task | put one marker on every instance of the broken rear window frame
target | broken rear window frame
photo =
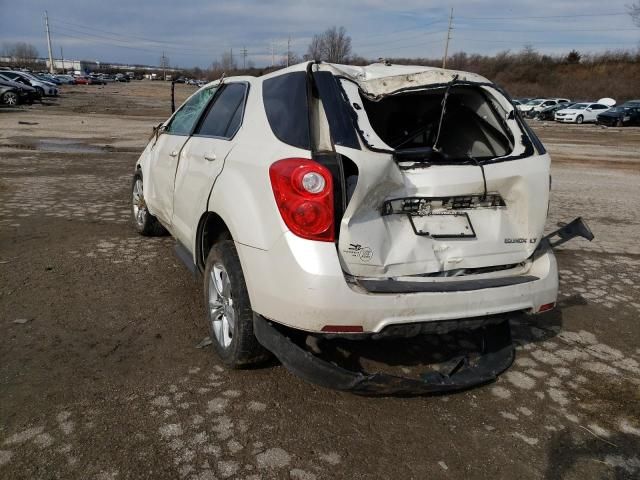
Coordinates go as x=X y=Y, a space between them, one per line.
x=530 y=142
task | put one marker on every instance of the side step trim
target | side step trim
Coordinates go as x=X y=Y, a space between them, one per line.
x=185 y=257
x=395 y=286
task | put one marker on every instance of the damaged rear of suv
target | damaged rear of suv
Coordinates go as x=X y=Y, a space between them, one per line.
x=367 y=202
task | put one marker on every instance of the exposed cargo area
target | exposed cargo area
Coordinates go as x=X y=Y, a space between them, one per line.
x=472 y=126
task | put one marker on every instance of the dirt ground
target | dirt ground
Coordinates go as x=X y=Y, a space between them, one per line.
x=100 y=377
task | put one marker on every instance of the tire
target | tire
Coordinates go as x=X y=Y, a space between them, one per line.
x=145 y=223
x=228 y=309
x=579 y=119
x=10 y=98
x=619 y=123
x=40 y=91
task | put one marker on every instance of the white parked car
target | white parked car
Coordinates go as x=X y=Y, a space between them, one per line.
x=586 y=112
x=345 y=201
x=535 y=106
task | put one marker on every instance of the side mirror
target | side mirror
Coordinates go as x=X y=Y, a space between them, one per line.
x=589 y=109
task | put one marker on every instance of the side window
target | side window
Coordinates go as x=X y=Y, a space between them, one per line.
x=225 y=114
x=285 y=103
x=598 y=106
x=185 y=119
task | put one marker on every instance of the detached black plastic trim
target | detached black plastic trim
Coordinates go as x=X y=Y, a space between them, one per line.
x=497 y=356
x=395 y=286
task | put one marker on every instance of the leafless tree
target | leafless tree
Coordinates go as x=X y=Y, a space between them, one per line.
x=293 y=58
x=227 y=62
x=334 y=45
x=314 y=51
x=634 y=11
x=20 y=52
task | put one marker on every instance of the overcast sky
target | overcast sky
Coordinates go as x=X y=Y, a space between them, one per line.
x=196 y=32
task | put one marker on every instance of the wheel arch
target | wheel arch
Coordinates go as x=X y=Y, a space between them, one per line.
x=211 y=228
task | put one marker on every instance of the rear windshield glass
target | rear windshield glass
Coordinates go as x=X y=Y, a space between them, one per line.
x=285 y=102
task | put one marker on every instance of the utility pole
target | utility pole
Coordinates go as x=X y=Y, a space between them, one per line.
x=273 y=55
x=62 y=58
x=288 y=49
x=231 y=59
x=164 y=67
x=46 y=23
x=244 y=58
x=446 y=47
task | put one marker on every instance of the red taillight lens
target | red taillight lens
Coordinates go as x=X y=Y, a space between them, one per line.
x=304 y=194
x=546 y=307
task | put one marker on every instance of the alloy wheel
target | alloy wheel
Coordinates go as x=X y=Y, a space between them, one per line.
x=221 y=308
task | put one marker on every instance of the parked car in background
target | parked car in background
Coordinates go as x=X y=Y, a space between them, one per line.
x=81 y=80
x=13 y=93
x=626 y=114
x=47 y=78
x=522 y=101
x=32 y=94
x=548 y=113
x=66 y=79
x=95 y=79
x=43 y=87
x=586 y=112
x=121 y=77
x=531 y=108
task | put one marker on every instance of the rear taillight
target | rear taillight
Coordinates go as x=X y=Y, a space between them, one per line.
x=304 y=194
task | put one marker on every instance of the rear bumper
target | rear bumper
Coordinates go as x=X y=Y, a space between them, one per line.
x=300 y=283
x=458 y=373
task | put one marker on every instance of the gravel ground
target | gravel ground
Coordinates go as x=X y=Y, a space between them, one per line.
x=100 y=376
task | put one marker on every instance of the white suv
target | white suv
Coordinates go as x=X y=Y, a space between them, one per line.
x=346 y=201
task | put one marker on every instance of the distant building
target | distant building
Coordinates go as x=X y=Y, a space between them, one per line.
x=73 y=65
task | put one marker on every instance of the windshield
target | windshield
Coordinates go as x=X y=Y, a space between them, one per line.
x=579 y=106
x=535 y=102
x=28 y=75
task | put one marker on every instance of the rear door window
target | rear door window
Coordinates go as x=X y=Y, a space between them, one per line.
x=185 y=119
x=225 y=114
x=286 y=106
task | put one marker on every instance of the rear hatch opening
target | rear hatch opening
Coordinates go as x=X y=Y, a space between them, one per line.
x=449 y=179
x=450 y=124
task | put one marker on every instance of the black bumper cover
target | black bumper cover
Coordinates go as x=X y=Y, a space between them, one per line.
x=497 y=356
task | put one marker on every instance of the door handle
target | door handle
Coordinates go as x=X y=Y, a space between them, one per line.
x=173 y=154
x=210 y=156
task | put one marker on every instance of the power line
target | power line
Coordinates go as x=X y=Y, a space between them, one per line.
x=523 y=17
x=368 y=46
x=612 y=29
x=538 y=42
x=123 y=40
